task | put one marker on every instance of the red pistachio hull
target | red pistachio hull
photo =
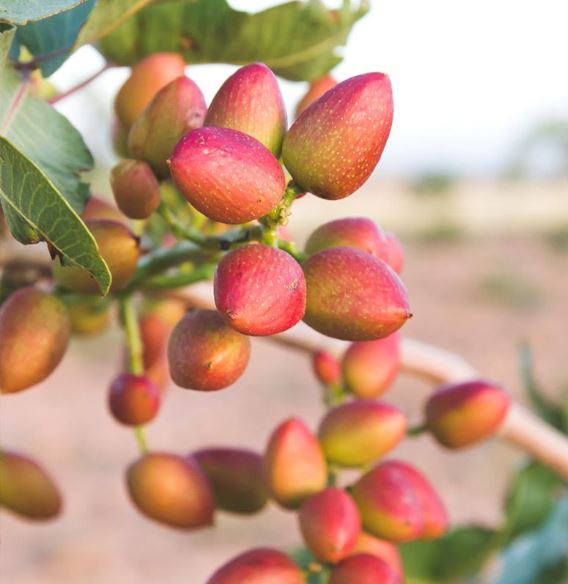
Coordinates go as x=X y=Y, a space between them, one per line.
x=227 y=175
x=359 y=432
x=259 y=566
x=335 y=144
x=294 y=464
x=170 y=489
x=462 y=414
x=260 y=290
x=35 y=329
x=206 y=354
x=326 y=367
x=146 y=79
x=26 y=489
x=175 y=110
x=370 y=367
x=133 y=399
x=250 y=101
x=364 y=569
x=236 y=478
x=136 y=189
x=358 y=232
x=330 y=524
x=353 y=296
x=316 y=90
x=389 y=506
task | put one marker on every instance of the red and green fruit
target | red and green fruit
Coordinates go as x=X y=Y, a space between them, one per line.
x=136 y=189
x=370 y=367
x=170 y=489
x=364 y=569
x=359 y=432
x=250 y=101
x=358 y=232
x=133 y=399
x=175 y=110
x=335 y=144
x=35 y=329
x=236 y=478
x=294 y=464
x=259 y=566
x=26 y=489
x=353 y=296
x=326 y=367
x=260 y=290
x=228 y=176
x=146 y=78
x=330 y=524
x=389 y=506
x=205 y=353
x=463 y=414
x=382 y=549
x=316 y=90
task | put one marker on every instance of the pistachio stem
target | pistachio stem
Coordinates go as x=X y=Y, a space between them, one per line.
x=135 y=358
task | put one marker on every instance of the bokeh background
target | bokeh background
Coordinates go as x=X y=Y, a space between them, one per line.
x=474 y=180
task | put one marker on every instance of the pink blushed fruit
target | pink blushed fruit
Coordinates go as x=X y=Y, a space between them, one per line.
x=353 y=296
x=250 y=101
x=236 y=478
x=370 y=367
x=395 y=257
x=259 y=566
x=170 y=489
x=294 y=464
x=364 y=569
x=358 y=232
x=175 y=110
x=147 y=77
x=330 y=524
x=260 y=290
x=390 y=508
x=228 y=176
x=359 y=432
x=205 y=353
x=462 y=414
x=35 y=329
x=335 y=144
x=326 y=367
x=136 y=189
x=316 y=90
x=26 y=489
x=133 y=399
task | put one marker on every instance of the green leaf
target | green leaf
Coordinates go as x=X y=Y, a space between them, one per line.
x=530 y=500
x=47 y=138
x=459 y=554
x=36 y=211
x=530 y=555
x=51 y=40
x=549 y=411
x=107 y=16
x=7 y=33
x=21 y=12
x=298 y=40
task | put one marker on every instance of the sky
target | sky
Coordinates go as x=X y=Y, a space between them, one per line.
x=470 y=79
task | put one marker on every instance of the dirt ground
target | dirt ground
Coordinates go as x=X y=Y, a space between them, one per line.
x=479 y=296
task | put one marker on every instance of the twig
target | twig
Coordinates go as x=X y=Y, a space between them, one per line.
x=80 y=85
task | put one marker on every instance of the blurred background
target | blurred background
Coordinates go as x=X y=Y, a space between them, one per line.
x=474 y=180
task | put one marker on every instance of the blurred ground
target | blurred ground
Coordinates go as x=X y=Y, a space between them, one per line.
x=475 y=292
